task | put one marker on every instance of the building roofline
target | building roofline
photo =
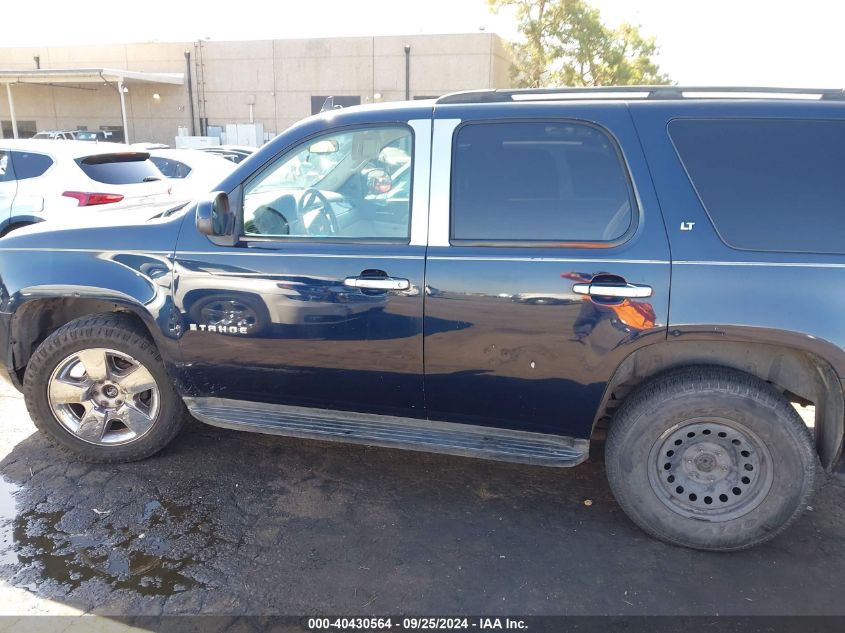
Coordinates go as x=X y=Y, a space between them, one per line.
x=86 y=75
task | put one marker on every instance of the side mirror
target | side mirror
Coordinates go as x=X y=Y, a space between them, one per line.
x=213 y=215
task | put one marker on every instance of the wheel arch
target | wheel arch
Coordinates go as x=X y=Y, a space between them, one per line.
x=802 y=375
x=17 y=221
x=36 y=319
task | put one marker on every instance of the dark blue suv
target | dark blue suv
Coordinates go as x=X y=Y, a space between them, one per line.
x=508 y=275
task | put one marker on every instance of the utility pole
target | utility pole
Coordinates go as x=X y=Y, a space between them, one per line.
x=190 y=92
x=407 y=72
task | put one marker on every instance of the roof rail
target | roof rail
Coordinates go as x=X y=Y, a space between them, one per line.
x=641 y=92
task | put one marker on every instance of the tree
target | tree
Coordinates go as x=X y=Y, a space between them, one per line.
x=564 y=43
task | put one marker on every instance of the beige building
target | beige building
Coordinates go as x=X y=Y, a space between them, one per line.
x=272 y=82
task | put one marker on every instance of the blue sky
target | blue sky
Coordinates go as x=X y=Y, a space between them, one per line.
x=738 y=42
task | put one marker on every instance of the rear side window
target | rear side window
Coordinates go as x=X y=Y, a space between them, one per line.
x=538 y=182
x=120 y=169
x=30 y=165
x=768 y=184
x=171 y=168
x=6 y=173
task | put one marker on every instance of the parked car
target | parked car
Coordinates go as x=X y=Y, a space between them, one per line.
x=93 y=135
x=191 y=172
x=42 y=179
x=413 y=311
x=56 y=135
x=146 y=146
x=233 y=153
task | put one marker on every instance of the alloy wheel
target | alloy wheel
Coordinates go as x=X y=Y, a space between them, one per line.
x=103 y=396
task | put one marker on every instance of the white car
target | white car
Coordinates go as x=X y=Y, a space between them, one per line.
x=234 y=153
x=42 y=179
x=191 y=172
x=146 y=146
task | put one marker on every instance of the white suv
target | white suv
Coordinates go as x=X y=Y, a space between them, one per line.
x=43 y=180
x=56 y=135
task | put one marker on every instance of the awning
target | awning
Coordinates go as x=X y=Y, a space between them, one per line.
x=119 y=76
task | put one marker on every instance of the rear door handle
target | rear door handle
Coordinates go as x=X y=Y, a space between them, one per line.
x=624 y=291
x=377 y=283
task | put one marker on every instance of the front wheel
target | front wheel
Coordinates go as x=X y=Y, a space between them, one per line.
x=97 y=387
x=710 y=458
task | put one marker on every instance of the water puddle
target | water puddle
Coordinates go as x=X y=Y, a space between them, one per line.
x=127 y=552
x=8 y=509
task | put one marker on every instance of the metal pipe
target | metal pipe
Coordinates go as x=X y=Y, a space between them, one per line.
x=190 y=92
x=123 y=111
x=407 y=72
x=12 y=110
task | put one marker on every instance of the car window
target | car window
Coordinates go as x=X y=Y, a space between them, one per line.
x=538 y=182
x=768 y=184
x=30 y=164
x=120 y=169
x=171 y=168
x=353 y=184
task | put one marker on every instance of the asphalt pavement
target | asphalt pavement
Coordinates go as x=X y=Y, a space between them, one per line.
x=231 y=523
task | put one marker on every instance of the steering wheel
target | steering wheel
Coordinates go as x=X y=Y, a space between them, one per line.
x=326 y=222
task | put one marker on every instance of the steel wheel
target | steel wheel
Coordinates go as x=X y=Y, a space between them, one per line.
x=710 y=468
x=103 y=396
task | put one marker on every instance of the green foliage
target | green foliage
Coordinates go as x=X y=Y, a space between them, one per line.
x=566 y=44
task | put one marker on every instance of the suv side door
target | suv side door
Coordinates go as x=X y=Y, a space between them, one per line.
x=319 y=302
x=540 y=214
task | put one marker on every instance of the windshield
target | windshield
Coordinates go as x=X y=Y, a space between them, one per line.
x=120 y=169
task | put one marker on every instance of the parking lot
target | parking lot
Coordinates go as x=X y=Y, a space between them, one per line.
x=232 y=523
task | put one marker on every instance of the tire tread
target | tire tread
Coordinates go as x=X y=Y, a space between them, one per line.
x=695 y=380
x=123 y=331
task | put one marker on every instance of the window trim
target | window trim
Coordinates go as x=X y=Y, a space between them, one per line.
x=701 y=199
x=571 y=244
x=247 y=240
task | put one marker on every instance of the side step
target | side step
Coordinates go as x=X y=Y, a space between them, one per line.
x=392 y=432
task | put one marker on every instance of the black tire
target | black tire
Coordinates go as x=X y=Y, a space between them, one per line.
x=663 y=412
x=121 y=333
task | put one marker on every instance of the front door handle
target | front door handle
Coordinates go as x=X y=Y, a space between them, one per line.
x=377 y=283
x=622 y=291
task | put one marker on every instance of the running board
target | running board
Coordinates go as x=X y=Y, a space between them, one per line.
x=392 y=432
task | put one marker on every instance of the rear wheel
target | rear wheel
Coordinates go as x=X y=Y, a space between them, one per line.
x=710 y=458
x=97 y=387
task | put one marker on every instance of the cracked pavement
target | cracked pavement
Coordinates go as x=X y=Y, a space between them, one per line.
x=232 y=523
